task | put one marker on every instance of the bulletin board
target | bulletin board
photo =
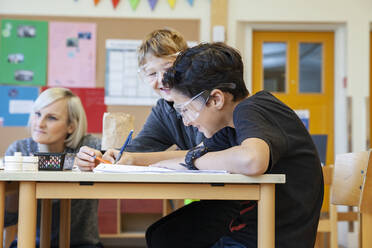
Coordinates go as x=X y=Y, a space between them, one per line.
x=108 y=28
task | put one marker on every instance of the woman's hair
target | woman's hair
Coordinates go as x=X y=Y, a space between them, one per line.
x=205 y=67
x=76 y=114
x=161 y=43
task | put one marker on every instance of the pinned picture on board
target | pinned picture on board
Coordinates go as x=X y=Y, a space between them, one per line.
x=23 y=75
x=16 y=58
x=26 y=31
x=23 y=52
x=72 y=42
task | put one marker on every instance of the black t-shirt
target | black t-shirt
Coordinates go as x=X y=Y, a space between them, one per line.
x=293 y=153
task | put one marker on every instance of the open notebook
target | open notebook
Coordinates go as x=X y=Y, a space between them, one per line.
x=146 y=169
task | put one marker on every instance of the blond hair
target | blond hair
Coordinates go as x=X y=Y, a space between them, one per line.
x=161 y=43
x=76 y=114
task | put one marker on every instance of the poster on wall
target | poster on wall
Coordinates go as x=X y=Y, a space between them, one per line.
x=72 y=54
x=16 y=104
x=122 y=84
x=23 y=52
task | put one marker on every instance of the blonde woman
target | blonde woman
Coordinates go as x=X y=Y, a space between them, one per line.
x=164 y=127
x=58 y=124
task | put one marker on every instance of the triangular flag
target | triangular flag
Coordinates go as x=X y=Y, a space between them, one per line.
x=172 y=3
x=191 y=2
x=153 y=3
x=96 y=2
x=115 y=3
x=134 y=3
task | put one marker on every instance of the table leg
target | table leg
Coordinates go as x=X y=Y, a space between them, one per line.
x=167 y=207
x=366 y=229
x=2 y=209
x=266 y=216
x=64 y=223
x=27 y=214
x=45 y=223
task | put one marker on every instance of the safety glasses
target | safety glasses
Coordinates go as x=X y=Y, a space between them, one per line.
x=154 y=70
x=191 y=109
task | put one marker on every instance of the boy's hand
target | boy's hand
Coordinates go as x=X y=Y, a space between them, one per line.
x=173 y=164
x=110 y=155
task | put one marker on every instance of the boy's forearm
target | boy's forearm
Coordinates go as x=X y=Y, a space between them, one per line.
x=147 y=158
x=228 y=160
x=250 y=158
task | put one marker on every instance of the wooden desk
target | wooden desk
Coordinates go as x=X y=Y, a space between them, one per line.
x=68 y=185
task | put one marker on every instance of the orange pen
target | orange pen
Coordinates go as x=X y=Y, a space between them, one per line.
x=102 y=160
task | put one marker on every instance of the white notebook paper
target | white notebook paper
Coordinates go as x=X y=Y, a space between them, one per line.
x=147 y=169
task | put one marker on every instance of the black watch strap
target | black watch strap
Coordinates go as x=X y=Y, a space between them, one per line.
x=193 y=154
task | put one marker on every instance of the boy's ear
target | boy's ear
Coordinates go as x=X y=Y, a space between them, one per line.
x=217 y=99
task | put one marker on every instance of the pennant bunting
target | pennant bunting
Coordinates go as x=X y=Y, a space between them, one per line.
x=172 y=3
x=191 y=2
x=153 y=3
x=115 y=3
x=134 y=3
x=96 y=2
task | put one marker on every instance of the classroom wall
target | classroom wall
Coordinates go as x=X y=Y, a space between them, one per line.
x=351 y=22
x=349 y=19
x=73 y=10
x=86 y=8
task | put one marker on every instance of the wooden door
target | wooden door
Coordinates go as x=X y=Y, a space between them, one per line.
x=298 y=68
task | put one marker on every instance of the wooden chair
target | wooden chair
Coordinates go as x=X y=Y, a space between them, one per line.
x=328 y=224
x=352 y=186
x=10 y=234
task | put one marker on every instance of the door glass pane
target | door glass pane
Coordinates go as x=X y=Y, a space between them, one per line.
x=311 y=67
x=274 y=66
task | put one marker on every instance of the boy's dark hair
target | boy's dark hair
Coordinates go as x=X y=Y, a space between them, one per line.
x=205 y=67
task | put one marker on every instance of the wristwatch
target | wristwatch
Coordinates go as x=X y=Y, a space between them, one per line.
x=193 y=154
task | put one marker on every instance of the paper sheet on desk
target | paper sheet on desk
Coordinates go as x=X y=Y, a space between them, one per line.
x=147 y=169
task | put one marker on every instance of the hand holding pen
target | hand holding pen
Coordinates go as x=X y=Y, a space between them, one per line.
x=126 y=143
x=87 y=158
x=102 y=160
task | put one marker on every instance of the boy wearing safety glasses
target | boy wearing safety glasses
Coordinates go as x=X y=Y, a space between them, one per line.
x=163 y=128
x=249 y=135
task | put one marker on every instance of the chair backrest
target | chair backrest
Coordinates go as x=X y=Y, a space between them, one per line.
x=365 y=202
x=328 y=223
x=349 y=176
